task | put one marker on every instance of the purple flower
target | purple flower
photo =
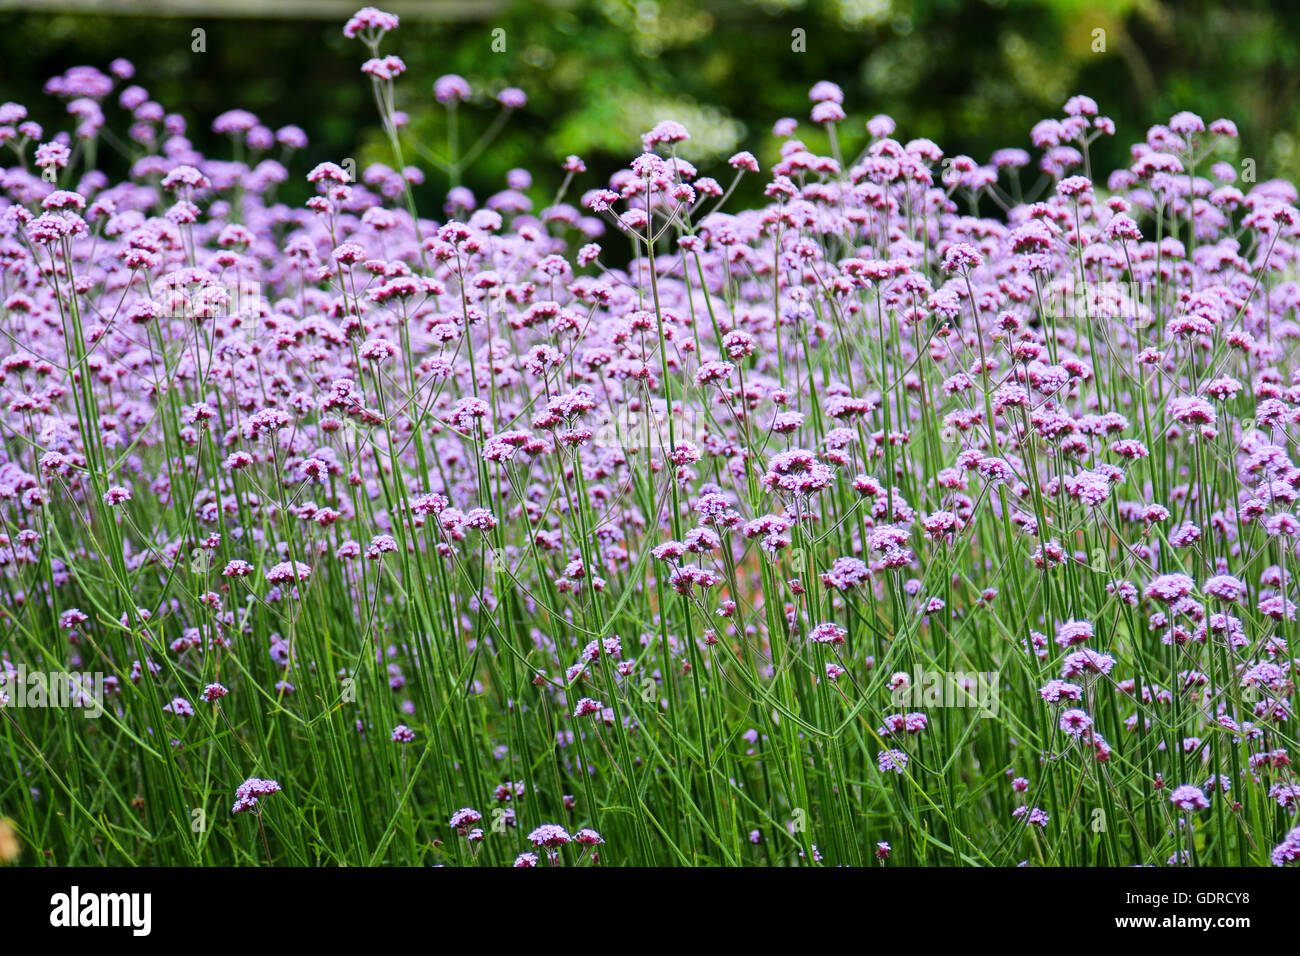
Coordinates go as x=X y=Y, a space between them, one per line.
x=1168 y=588
x=894 y=761
x=1188 y=797
x=464 y=818
x=117 y=495
x=1225 y=587
x=180 y=707
x=450 y=88
x=512 y=98
x=371 y=21
x=549 y=835
x=797 y=472
x=1075 y=722
x=251 y=791
x=827 y=633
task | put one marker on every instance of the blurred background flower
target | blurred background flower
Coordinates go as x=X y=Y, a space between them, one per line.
x=9 y=848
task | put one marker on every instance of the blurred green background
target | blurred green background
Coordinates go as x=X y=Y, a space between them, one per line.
x=973 y=75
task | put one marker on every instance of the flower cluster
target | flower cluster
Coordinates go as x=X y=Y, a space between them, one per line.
x=577 y=488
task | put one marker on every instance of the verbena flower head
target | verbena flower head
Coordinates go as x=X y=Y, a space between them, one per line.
x=248 y=793
x=1188 y=797
x=371 y=21
x=797 y=472
x=465 y=818
x=549 y=835
x=450 y=89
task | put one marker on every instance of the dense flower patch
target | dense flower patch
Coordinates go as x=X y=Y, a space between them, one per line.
x=935 y=512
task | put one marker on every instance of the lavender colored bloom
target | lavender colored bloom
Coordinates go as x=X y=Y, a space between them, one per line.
x=549 y=835
x=1075 y=722
x=827 y=633
x=645 y=438
x=403 y=734
x=450 y=88
x=1188 y=797
x=1168 y=588
x=1225 y=587
x=464 y=818
x=894 y=761
x=1288 y=851
x=180 y=707
x=249 y=792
